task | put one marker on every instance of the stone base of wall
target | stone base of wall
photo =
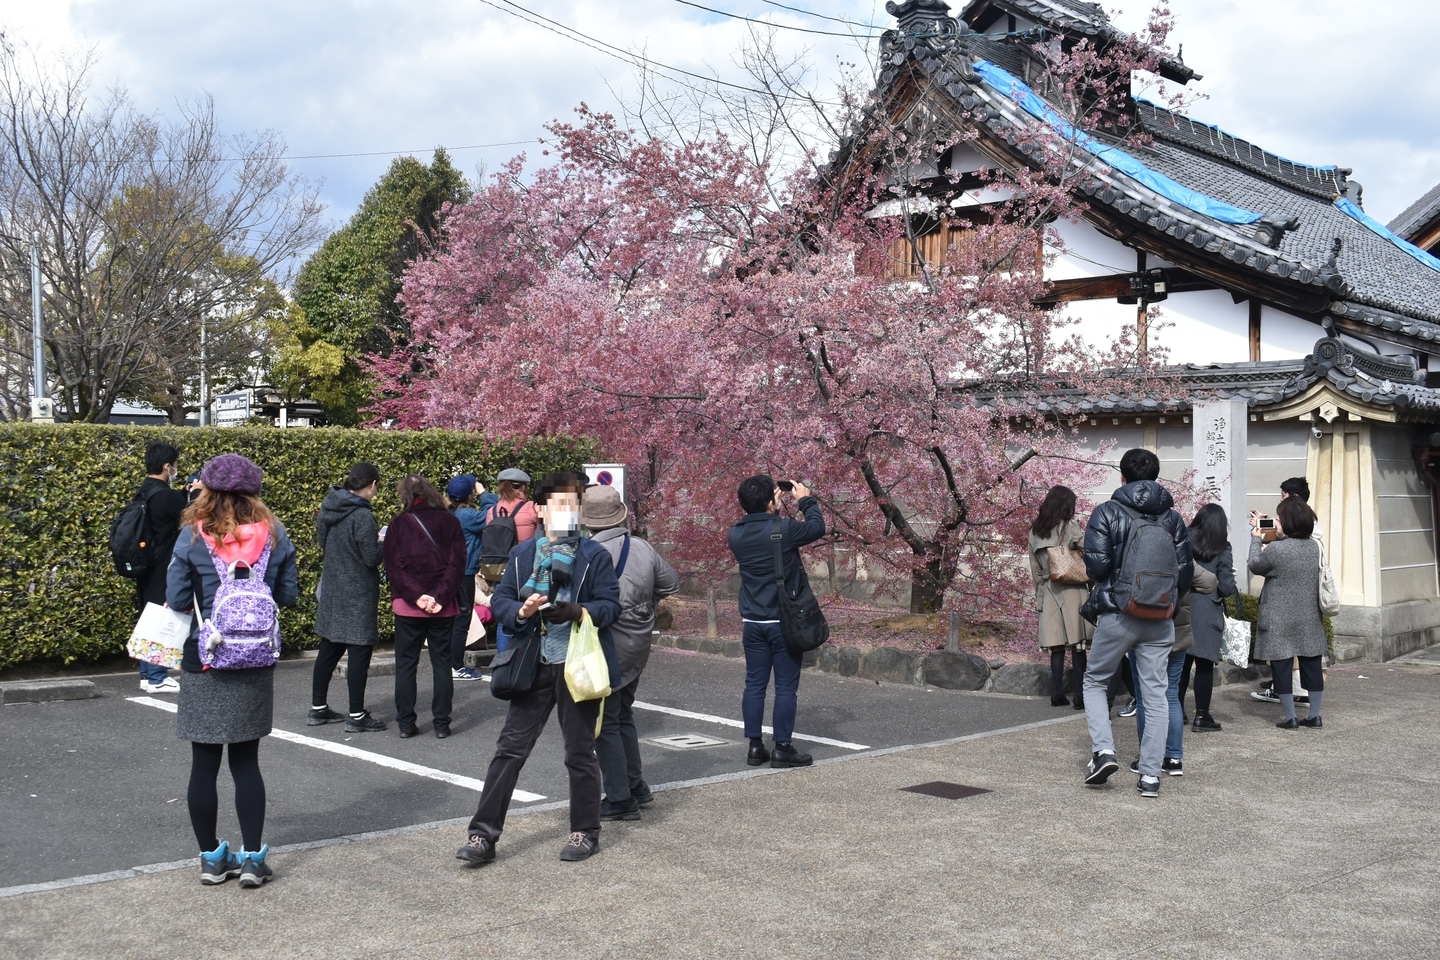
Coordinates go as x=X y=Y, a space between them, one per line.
x=936 y=668
x=1384 y=633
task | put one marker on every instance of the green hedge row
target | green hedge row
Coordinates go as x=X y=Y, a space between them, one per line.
x=60 y=486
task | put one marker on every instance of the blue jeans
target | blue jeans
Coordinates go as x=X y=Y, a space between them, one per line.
x=1175 y=740
x=765 y=651
x=152 y=671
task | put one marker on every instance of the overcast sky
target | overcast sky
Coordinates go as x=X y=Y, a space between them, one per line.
x=1317 y=81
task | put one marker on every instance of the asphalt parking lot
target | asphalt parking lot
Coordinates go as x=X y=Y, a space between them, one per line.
x=93 y=786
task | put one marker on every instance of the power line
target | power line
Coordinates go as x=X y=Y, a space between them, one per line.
x=767 y=23
x=821 y=16
x=397 y=153
x=610 y=50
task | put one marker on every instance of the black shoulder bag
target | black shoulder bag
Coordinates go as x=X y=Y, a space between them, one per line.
x=802 y=622
x=512 y=671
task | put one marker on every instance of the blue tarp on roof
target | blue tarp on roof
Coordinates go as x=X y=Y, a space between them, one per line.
x=1014 y=88
x=1355 y=212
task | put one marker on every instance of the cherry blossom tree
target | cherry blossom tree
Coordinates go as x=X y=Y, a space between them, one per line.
x=655 y=294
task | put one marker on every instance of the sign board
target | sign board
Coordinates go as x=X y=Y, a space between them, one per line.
x=232 y=409
x=607 y=475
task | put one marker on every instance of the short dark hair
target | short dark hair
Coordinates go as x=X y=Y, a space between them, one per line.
x=1139 y=464
x=1297 y=487
x=159 y=455
x=755 y=493
x=559 y=482
x=361 y=476
x=1296 y=518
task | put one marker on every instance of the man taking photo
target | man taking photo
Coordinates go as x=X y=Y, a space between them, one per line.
x=163 y=506
x=765 y=650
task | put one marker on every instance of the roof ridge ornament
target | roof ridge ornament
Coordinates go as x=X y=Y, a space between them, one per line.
x=926 y=30
x=1332 y=353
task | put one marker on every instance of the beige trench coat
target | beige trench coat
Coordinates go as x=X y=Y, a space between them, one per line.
x=1059 y=603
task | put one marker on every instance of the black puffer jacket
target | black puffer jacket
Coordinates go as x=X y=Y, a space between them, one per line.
x=1105 y=536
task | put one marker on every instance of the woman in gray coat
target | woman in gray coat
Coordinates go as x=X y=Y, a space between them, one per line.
x=1289 y=622
x=1210 y=544
x=346 y=609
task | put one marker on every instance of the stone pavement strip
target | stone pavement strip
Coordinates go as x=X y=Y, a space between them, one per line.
x=1275 y=843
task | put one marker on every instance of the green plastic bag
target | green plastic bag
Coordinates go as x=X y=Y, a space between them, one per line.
x=586 y=672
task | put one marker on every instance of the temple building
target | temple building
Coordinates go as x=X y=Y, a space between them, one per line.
x=1303 y=334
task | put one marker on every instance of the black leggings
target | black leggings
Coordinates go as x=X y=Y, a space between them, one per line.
x=1310 y=675
x=1204 y=684
x=204 y=801
x=325 y=663
x=1057 y=671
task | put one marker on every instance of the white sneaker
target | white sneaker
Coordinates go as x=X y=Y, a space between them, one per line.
x=168 y=685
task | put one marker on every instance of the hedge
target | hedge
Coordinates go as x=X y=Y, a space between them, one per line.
x=60 y=486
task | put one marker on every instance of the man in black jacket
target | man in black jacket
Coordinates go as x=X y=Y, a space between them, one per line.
x=1148 y=641
x=765 y=650
x=163 y=506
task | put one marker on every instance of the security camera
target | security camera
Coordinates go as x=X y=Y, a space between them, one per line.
x=1315 y=431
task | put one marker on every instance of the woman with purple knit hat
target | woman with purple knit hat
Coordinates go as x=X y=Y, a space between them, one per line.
x=227 y=526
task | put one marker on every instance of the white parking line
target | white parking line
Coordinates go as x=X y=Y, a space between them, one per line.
x=727 y=722
x=405 y=766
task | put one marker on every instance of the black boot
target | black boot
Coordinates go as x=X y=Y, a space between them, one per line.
x=788 y=756
x=758 y=753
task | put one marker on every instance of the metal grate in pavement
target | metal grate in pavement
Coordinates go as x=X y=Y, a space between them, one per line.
x=946 y=791
x=687 y=741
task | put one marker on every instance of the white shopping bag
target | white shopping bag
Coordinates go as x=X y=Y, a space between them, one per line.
x=160 y=636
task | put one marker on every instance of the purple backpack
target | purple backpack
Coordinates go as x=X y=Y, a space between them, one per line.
x=243 y=631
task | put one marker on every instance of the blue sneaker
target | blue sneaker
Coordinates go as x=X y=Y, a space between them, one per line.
x=218 y=865
x=254 y=871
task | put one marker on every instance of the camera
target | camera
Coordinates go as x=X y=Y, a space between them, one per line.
x=1315 y=431
x=786 y=485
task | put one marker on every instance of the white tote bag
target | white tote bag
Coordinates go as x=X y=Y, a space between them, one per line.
x=159 y=637
x=1235 y=643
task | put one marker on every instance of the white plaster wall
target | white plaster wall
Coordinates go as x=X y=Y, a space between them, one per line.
x=1204 y=326
x=1286 y=337
x=1097 y=322
x=964 y=158
x=1086 y=253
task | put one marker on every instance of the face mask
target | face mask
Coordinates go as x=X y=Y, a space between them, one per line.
x=563 y=523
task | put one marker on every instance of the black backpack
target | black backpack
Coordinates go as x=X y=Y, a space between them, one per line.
x=496 y=541
x=132 y=545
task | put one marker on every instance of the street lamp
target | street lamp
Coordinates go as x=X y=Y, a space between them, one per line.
x=42 y=409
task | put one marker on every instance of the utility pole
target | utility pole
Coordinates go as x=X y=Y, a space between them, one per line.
x=204 y=384
x=41 y=409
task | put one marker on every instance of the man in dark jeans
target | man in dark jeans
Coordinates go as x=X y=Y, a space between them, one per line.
x=570 y=577
x=765 y=650
x=163 y=506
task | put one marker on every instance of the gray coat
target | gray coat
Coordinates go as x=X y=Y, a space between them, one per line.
x=1290 y=624
x=646 y=580
x=1207 y=610
x=346 y=609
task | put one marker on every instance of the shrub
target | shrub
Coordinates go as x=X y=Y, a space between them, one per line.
x=60 y=486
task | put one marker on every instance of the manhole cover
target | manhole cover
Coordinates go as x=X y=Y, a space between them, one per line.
x=687 y=741
x=946 y=791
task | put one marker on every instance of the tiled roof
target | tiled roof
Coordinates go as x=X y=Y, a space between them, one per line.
x=1418 y=215
x=1302 y=239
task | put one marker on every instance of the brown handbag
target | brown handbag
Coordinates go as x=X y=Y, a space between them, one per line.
x=1067 y=565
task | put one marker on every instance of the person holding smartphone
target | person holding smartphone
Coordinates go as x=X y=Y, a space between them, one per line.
x=763 y=640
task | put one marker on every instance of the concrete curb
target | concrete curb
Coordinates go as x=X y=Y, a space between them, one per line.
x=936 y=668
x=41 y=691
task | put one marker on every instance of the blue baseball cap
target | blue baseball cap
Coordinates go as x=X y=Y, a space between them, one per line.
x=461 y=487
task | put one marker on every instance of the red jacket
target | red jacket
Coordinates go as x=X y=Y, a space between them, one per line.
x=417 y=567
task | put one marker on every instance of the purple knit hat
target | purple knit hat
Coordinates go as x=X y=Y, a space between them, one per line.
x=231 y=472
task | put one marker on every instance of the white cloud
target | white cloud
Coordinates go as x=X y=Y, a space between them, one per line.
x=1310 y=79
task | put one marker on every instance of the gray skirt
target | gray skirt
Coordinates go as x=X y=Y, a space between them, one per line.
x=225 y=706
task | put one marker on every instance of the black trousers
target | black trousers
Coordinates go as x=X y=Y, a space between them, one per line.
x=618 y=747
x=203 y=797
x=327 y=659
x=1310 y=675
x=410 y=633
x=524 y=722
x=460 y=632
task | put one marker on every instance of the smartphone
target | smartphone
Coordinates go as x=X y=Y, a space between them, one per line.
x=1267 y=523
x=786 y=485
x=544 y=606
